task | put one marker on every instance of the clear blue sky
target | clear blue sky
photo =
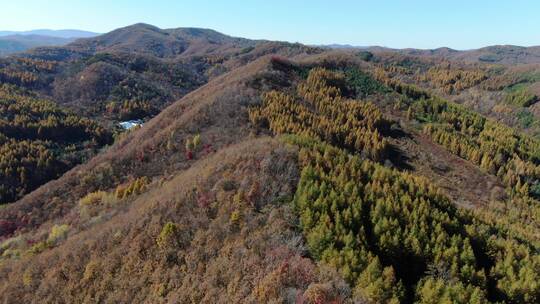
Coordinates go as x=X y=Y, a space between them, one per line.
x=394 y=23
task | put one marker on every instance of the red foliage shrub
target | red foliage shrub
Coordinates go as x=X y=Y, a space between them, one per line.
x=31 y=242
x=207 y=148
x=141 y=157
x=204 y=200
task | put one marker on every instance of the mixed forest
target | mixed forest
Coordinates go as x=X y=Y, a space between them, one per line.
x=40 y=140
x=365 y=219
x=265 y=173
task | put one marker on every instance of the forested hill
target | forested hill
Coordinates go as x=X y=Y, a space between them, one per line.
x=287 y=174
x=133 y=72
x=496 y=54
x=130 y=73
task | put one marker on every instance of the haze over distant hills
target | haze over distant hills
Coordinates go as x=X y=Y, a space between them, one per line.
x=67 y=33
x=18 y=41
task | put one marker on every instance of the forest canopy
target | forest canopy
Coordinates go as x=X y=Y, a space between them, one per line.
x=39 y=141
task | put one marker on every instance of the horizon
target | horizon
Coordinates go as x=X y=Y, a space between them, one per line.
x=337 y=45
x=332 y=45
x=398 y=24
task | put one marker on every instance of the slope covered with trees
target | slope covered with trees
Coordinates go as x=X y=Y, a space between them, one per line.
x=278 y=180
x=133 y=72
x=39 y=141
x=505 y=93
x=114 y=77
x=365 y=219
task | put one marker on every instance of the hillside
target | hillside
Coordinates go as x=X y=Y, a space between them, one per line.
x=133 y=72
x=118 y=76
x=150 y=40
x=40 y=141
x=290 y=175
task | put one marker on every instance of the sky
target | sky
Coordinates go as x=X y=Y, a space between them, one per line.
x=392 y=23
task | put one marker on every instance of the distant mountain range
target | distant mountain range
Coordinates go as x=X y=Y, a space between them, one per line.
x=501 y=54
x=52 y=33
x=14 y=41
x=19 y=41
x=339 y=46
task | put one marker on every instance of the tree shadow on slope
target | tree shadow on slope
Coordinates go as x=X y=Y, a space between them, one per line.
x=398 y=158
x=396 y=155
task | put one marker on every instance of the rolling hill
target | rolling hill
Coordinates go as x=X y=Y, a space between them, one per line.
x=147 y=39
x=271 y=172
x=135 y=71
x=496 y=54
x=107 y=81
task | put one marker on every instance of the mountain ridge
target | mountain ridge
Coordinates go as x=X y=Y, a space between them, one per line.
x=496 y=54
x=270 y=172
x=19 y=41
x=64 y=33
x=149 y=39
